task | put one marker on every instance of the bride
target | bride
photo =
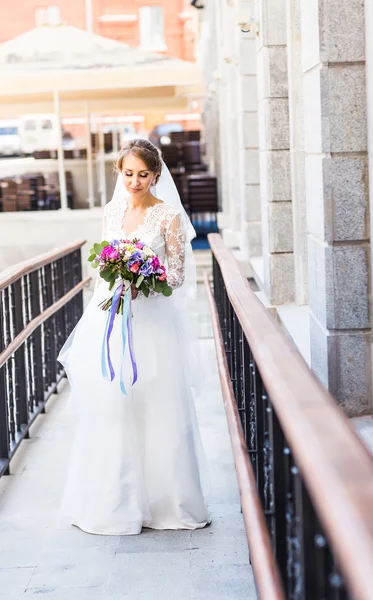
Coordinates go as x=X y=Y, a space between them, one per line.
x=137 y=459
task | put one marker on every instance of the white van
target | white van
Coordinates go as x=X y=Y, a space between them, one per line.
x=38 y=132
x=10 y=139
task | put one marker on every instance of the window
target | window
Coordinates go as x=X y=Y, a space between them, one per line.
x=47 y=15
x=151 y=27
x=8 y=131
x=53 y=13
x=30 y=126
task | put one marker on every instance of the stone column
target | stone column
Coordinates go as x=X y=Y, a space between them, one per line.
x=297 y=157
x=251 y=229
x=275 y=181
x=233 y=90
x=225 y=59
x=224 y=164
x=337 y=198
x=232 y=141
x=234 y=146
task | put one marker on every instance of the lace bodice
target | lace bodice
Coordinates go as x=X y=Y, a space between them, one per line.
x=162 y=230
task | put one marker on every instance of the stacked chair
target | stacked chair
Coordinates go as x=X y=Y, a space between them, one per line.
x=52 y=189
x=30 y=192
x=178 y=137
x=192 y=156
x=76 y=153
x=202 y=193
x=8 y=195
x=94 y=142
x=197 y=188
x=172 y=156
x=194 y=136
x=43 y=154
x=34 y=191
x=108 y=141
x=185 y=136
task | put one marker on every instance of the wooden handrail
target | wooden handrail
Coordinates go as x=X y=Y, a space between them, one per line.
x=335 y=465
x=267 y=578
x=37 y=372
x=46 y=314
x=12 y=274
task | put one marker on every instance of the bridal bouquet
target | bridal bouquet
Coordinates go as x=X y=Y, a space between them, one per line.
x=125 y=262
x=129 y=261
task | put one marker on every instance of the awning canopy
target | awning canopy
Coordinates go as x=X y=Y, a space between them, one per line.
x=85 y=67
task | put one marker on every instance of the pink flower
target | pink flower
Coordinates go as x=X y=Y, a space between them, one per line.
x=139 y=245
x=163 y=277
x=155 y=262
x=109 y=253
x=135 y=267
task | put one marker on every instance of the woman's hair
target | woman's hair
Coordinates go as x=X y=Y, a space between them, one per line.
x=144 y=150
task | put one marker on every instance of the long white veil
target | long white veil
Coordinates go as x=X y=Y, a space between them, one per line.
x=167 y=191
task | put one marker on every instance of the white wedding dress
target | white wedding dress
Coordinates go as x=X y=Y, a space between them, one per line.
x=137 y=460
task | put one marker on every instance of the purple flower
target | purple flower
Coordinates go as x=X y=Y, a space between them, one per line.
x=114 y=242
x=147 y=268
x=134 y=258
x=109 y=253
x=155 y=262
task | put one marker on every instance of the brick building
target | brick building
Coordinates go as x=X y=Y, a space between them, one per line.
x=166 y=26
x=169 y=27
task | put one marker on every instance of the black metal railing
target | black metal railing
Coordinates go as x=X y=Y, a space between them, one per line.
x=40 y=303
x=275 y=429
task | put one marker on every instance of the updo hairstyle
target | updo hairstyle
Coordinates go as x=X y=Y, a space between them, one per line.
x=146 y=151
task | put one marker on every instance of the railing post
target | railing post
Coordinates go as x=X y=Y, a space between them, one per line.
x=50 y=326
x=38 y=355
x=60 y=316
x=280 y=454
x=22 y=415
x=29 y=346
x=310 y=538
x=29 y=373
x=79 y=277
x=4 y=423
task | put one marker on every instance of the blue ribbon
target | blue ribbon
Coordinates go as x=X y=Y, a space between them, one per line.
x=130 y=346
x=106 y=363
x=124 y=338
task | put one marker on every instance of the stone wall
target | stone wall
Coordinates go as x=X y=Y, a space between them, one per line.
x=333 y=61
x=274 y=145
x=305 y=92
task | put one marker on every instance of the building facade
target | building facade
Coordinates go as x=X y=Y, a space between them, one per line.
x=286 y=130
x=157 y=25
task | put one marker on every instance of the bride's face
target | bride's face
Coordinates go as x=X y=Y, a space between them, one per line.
x=136 y=176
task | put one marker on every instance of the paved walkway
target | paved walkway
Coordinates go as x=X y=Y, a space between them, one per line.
x=40 y=559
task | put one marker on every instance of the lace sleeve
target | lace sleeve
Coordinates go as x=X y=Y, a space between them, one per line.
x=175 y=251
x=99 y=279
